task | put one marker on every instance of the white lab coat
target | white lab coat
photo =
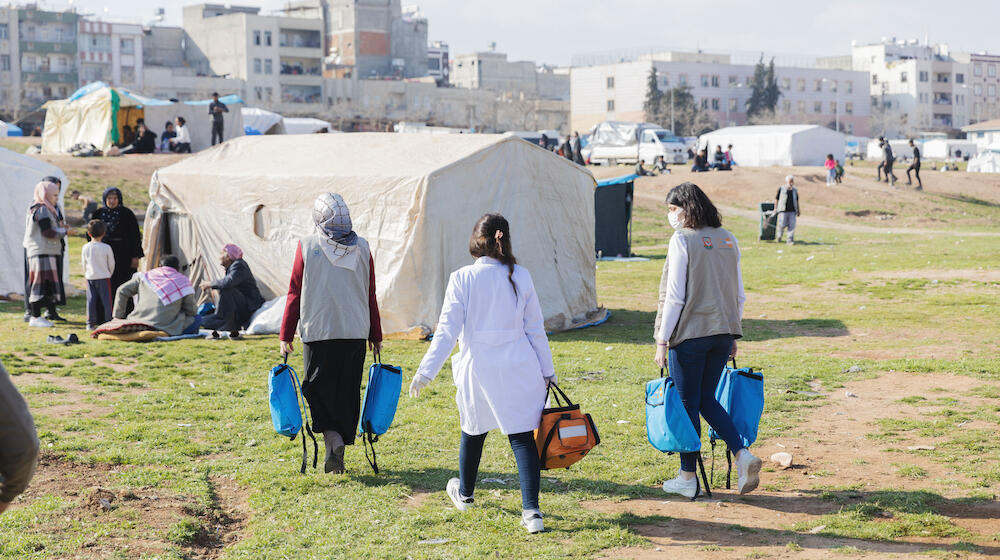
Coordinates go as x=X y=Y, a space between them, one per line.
x=503 y=353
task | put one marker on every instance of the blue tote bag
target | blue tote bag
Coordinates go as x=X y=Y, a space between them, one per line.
x=379 y=404
x=741 y=394
x=284 y=394
x=668 y=426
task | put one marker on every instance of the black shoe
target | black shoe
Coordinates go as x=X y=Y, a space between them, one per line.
x=55 y=339
x=72 y=339
x=54 y=317
x=215 y=334
x=235 y=335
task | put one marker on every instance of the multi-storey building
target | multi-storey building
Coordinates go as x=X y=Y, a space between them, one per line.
x=10 y=63
x=833 y=97
x=492 y=71
x=279 y=58
x=111 y=52
x=437 y=62
x=48 y=54
x=984 y=82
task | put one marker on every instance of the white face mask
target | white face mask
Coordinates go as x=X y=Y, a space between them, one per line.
x=676 y=218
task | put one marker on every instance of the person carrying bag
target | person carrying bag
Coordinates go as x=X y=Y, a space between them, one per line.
x=697 y=324
x=565 y=434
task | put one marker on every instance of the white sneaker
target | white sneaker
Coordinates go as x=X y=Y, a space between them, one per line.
x=461 y=502
x=678 y=485
x=531 y=519
x=748 y=471
x=40 y=322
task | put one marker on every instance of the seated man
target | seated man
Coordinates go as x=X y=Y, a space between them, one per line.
x=165 y=300
x=660 y=165
x=719 y=159
x=239 y=296
x=640 y=170
x=700 y=162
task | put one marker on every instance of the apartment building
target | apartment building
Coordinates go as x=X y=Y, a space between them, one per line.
x=492 y=71
x=617 y=91
x=984 y=83
x=438 y=65
x=279 y=58
x=111 y=53
x=10 y=63
x=47 y=45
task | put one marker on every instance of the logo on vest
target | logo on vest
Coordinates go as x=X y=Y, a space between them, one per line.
x=707 y=241
x=727 y=243
x=316 y=251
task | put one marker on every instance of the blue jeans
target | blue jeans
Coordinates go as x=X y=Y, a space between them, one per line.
x=193 y=327
x=696 y=366
x=525 y=453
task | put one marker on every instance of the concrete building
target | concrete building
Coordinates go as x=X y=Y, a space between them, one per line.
x=167 y=73
x=984 y=87
x=985 y=134
x=48 y=54
x=438 y=65
x=617 y=91
x=279 y=58
x=492 y=71
x=10 y=62
x=111 y=52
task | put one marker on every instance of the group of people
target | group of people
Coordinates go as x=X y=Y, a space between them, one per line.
x=721 y=160
x=571 y=148
x=885 y=166
x=491 y=310
x=175 y=138
x=659 y=167
x=834 y=171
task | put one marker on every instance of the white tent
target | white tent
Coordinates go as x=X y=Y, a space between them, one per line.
x=786 y=145
x=900 y=149
x=941 y=148
x=988 y=161
x=96 y=113
x=3 y=129
x=307 y=125
x=414 y=197
x=18 y=176
x=259 y=121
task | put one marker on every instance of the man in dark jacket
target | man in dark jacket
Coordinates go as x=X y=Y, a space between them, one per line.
x=216 y=108
x=239 y=296
x=578 y=150
x=567 y=149
x=915 y=167
x=18 y=442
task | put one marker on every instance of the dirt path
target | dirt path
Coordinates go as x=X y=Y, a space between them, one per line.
x=832 y=450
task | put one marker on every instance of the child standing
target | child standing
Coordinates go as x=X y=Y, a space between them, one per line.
x=838 y=172
x=98 y=264
x=831 y=170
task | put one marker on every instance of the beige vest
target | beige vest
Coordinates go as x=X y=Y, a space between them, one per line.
x=334 y=300
x=712 y=292
x=37 y=244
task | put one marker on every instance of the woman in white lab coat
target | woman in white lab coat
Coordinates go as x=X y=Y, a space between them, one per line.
x=503 y=363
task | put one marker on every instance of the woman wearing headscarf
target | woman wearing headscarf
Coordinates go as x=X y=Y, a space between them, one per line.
x=60 y=262
x=122 y=234
x=43 y=246
x=332 y=291
x=239 y=296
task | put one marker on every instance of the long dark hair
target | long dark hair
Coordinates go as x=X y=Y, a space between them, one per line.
x=699 y=211
x=484 y=242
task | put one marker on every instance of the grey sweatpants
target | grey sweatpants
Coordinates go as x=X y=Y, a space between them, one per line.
x=18 y=442
x=786 y=220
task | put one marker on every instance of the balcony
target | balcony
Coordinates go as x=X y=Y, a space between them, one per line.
x=48 y=47
x=300 y=67
x=300 y=39
x=45 y=77
x=301 y=94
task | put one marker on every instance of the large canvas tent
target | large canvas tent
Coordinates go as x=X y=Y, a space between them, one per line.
x=987 y=161
x=414 y=197
x=785 y=145
x=96 y=113
x=260 y=121
x=18 y=176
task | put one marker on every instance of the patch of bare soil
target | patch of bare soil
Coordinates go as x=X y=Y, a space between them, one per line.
x=830 y=450
x=95 y=499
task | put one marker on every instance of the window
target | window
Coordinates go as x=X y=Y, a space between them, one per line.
x=4 y=32
x=977 y=89
x=256 y=66
x=256 y=38
x=977 y=69
x=818 y=107
x=734 y=80
x=704 y=80
x=800 y=84
x=269 y=93
x=611 y=105
x=611 y=82
x=817 y=85
x=833 y=107
x=991 y=90
x=259 y=93
x=732 y=104
x=959 y=78
x=850 y=87
x=874 y=79
x=704 y=104
x=850 y=128
x=801 y=106
x=128 y=74
x=63 y=91
x=833 y=86
x=924 y=76
x=664 y=80
x=4 y=62
x=715 y=81
x=786 y=106
x=682 y=79
x=902 y=77
x=127 y=46
x=715 y=103
x=991 y=70
x=849 y=108
x=267 y=38
x=786 y=83
x=267 y=66
x=942 y=78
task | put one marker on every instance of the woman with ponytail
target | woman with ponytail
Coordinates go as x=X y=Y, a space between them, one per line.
x=503 y=363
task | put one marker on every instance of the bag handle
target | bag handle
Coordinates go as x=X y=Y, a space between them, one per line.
x=661 y=371
x=305 y=423
x=557 y=393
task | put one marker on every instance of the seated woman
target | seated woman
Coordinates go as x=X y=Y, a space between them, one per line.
x=165 y=300
x=239 y=296
x=144 y=143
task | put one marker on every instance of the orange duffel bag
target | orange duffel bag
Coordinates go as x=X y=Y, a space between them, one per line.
x=565 y=435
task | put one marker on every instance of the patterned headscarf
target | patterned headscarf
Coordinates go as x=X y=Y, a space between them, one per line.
x=43 y=189
x=234 y=252
x=333 y=219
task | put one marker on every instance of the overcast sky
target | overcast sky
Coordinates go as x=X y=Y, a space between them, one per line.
x=551 y=31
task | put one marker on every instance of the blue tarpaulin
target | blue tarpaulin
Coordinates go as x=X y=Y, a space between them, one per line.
x=617 y=180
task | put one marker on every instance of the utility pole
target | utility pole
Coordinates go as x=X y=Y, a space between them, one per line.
x=673 y=129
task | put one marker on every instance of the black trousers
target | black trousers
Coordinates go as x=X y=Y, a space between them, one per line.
x=232 y=313
x=915 y=167
x=332 y=384
x=216 y=131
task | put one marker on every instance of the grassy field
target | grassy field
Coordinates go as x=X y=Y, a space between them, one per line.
x=882 y=380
